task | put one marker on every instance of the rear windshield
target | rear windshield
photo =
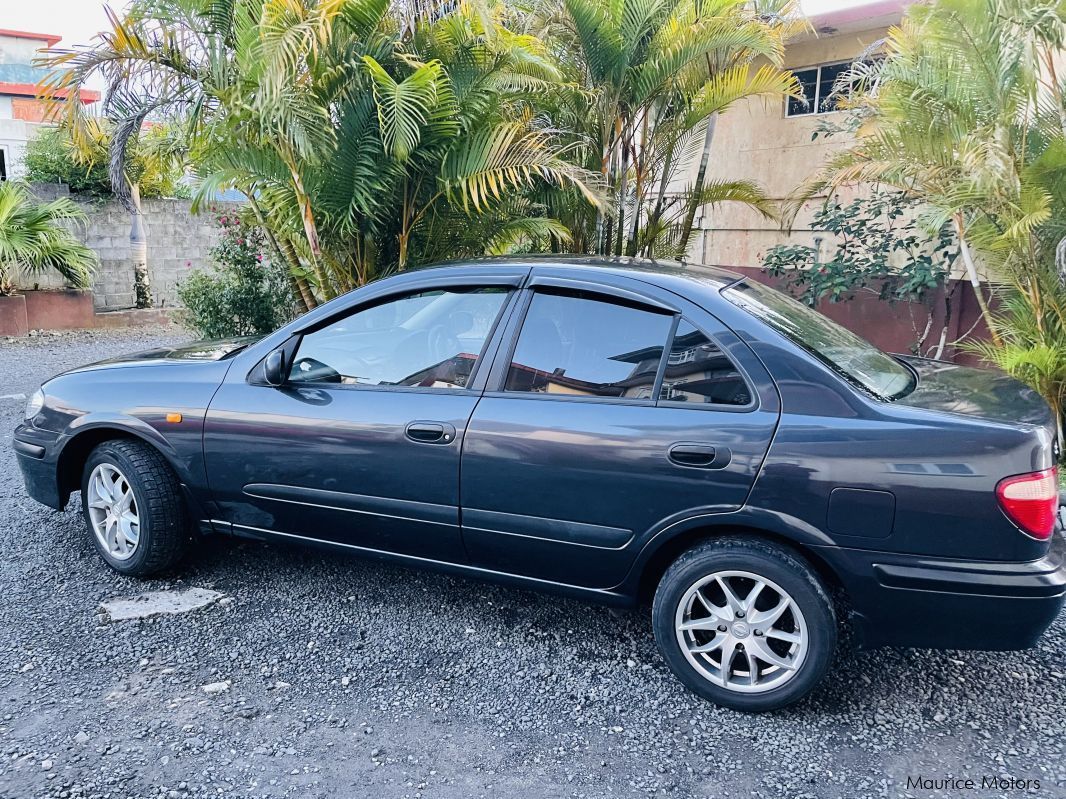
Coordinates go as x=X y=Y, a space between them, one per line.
x=857 y=360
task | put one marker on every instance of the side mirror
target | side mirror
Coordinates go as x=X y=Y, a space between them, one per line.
x=274 y=368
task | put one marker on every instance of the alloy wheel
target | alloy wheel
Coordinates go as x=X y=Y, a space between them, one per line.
x=741 y=631
x=113 y=511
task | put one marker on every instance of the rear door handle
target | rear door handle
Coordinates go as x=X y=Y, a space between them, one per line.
x=430 y=432
x=700 y=456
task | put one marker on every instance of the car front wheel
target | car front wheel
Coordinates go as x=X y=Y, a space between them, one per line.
x=745 y=624
x=132 y=503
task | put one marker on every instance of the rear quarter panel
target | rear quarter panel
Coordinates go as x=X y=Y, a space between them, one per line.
x=941 y=468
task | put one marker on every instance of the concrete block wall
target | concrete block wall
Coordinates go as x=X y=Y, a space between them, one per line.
x=178 y=242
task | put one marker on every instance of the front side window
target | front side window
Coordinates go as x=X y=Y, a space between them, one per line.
x=697 y=371
x=581 y=346
x=432 y=339
x=860 y=362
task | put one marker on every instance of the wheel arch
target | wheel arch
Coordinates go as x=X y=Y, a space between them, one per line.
x=658 y=555
x=75 y=452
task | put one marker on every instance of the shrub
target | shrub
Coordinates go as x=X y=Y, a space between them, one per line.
x=50 y=158
x=244 y=295
x=876 y=246
x=34 y=239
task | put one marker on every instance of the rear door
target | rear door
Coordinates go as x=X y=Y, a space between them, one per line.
x=610 y=413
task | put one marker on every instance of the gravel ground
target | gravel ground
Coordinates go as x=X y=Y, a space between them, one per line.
x=345 y=678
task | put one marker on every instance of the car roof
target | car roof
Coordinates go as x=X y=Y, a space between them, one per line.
x=646 y=269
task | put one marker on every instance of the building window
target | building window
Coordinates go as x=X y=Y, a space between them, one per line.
x=3 y=163
x=817 y=83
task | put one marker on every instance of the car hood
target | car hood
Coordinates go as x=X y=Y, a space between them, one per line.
x=195 y=352
x=980 y=393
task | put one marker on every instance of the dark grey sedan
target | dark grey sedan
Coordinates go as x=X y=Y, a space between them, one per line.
x=615 y=430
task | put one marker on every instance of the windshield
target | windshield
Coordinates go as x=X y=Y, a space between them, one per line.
x=840 y=349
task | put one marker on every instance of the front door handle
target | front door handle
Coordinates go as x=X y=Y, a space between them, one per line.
x=430 y=432
x=700 y=456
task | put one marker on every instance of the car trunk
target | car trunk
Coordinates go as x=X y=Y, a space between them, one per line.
x=977 y=393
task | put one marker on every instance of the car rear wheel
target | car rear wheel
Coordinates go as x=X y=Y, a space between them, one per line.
x=133 y=509
x=745 y=624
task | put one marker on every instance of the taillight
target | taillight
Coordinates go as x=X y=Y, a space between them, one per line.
x=1031 y=501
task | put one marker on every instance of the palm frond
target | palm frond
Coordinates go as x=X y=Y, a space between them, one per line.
x=483 y=167
x=404 y=107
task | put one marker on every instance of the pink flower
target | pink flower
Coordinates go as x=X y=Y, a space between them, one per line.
x=259 y=258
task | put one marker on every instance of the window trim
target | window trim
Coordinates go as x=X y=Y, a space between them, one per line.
x=817 y=100
x=471 y=388
x=497 y=381
x=514 y=282
x=501 y=363
x=718 y=407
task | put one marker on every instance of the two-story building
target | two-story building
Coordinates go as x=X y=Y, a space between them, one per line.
x=773 y=142
x=780 y=144
x=22 y=111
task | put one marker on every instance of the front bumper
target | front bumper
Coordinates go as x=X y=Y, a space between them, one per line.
x=37 y=452
x=903 y=600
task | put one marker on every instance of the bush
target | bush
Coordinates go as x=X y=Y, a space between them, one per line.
x=876 y=245
x=50 y=158
x=244 y=295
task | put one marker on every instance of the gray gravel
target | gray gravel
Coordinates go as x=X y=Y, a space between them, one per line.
x=329 y=676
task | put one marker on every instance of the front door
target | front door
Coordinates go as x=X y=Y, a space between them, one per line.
x=609 y=419
x=361 y=445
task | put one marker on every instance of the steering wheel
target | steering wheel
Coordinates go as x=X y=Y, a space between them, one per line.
x=441 y=343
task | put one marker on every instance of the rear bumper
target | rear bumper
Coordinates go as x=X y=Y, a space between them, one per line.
x=37 y=454
x=902 y=600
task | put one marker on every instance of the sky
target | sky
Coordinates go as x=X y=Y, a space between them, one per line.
x=77 y=21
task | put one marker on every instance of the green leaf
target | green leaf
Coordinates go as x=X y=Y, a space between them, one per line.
x=404 y=107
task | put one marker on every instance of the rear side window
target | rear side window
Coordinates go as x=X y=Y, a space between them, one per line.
x=582 y=346
x=697 y=371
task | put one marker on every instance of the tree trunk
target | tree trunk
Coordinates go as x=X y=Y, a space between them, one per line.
x=142 y=284
x=310 y=231
x=975 y=280
x=623 y=187
x=300 y=290
x=701 y=178
x=288 y=253
x=660 y=199
x=639 y=166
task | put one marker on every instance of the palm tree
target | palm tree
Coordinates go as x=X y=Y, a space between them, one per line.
x=33 y=239
x=1032 y=346
x=645 y=83
x=352 y=134
x=152 y=156
x=966 y=115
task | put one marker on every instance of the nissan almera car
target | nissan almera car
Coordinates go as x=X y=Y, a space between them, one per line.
x=614 y=430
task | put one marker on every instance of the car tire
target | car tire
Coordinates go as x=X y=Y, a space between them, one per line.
x=773 y=661
x=125 y=480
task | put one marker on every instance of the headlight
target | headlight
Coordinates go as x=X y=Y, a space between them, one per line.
x=34 y=405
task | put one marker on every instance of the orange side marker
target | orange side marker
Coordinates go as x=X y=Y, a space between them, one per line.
x=174 y=417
